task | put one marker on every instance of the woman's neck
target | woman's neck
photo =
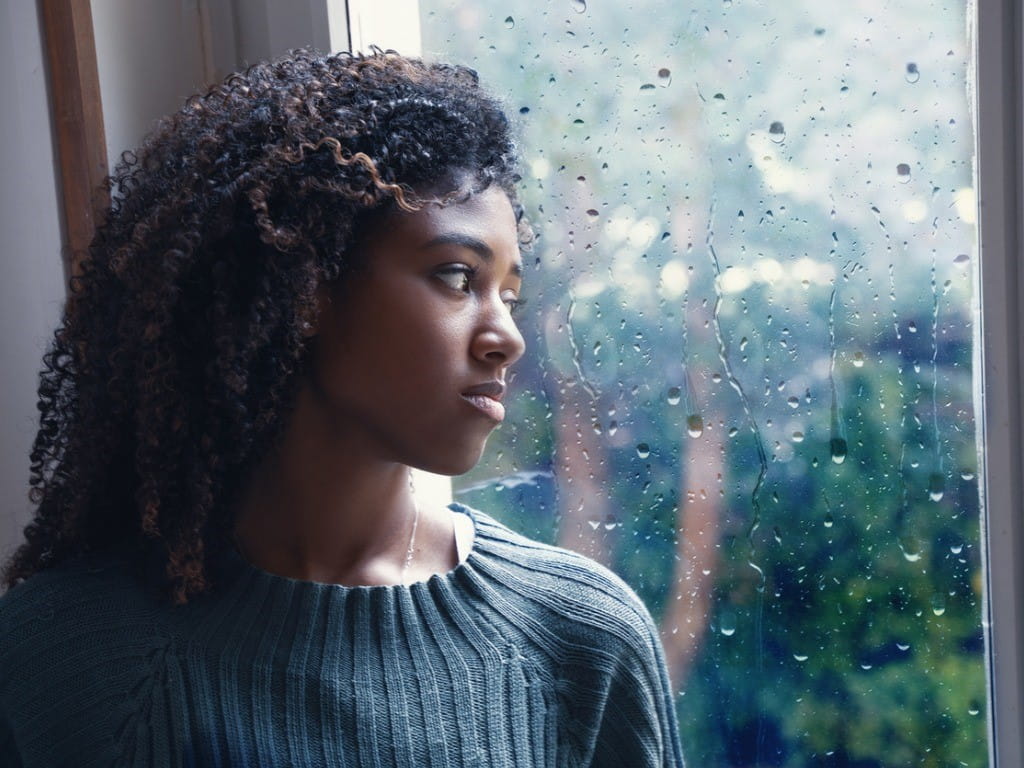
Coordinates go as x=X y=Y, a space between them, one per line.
x=323 y=508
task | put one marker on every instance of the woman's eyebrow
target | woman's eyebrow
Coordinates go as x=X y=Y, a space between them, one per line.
x=472 y=243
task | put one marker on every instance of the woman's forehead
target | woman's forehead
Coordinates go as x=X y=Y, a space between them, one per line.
x=487 y=216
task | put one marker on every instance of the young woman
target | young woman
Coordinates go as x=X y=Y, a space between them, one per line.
x=304 y=288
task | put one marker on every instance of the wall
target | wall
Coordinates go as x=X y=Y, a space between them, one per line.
x=31 y=269
x=151 y=56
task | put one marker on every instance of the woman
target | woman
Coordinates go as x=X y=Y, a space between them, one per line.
x=304 y=288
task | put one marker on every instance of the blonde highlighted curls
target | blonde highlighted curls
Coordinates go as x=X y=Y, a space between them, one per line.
x=182 y=343
x=364 y=160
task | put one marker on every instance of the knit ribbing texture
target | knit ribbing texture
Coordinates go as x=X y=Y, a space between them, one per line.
x=523 y=655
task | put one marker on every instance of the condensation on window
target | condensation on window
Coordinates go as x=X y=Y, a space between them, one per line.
x=749 y=383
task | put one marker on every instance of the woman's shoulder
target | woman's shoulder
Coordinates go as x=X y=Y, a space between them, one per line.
x=566 y=585
x=81 y=601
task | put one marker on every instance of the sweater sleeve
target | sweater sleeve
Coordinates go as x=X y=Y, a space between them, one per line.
x=639 y=726
x=9 y=755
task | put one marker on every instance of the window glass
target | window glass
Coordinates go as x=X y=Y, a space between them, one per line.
x=749 y=388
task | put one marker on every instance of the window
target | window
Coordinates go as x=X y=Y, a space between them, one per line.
x=752 y=389
x=757 y=352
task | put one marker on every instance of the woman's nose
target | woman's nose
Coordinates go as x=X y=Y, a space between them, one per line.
x=498 y=340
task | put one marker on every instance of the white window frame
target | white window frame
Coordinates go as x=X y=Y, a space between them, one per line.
x=999 y=142
x=999 y=336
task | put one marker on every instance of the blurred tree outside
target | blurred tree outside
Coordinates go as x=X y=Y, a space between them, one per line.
x=748 y=389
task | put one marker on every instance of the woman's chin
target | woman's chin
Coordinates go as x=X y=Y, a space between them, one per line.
x=451 y=464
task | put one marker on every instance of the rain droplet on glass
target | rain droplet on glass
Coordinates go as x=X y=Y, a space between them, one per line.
x=777 y=132
x=674 y=395
x=509 y=22
x=938 y=604
x=837 y=448
x=903 y=173
x=858 y=359
x=911 y=549
x=694 y=425
x=580 y=6
x=643 y=450
x=912 y=75
x=727 y=623
x=936 y=486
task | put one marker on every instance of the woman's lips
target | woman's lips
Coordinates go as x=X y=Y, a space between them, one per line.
x=488 y=406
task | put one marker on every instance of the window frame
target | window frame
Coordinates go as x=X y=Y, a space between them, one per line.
x=998 y=340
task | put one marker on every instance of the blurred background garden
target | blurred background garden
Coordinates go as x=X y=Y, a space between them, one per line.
x=749 y=385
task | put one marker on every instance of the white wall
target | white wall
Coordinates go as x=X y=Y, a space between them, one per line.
x=151 y=56
x=269 y=28
x=31 y=269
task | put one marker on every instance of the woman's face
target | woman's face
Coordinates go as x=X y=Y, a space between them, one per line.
x=411 y=353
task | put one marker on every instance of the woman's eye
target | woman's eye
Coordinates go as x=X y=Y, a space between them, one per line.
x=457 y=278
x=514 y=304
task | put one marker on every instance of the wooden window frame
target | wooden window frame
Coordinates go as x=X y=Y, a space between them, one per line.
x=77 y=115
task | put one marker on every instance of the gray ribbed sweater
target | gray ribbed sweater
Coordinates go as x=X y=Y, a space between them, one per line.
x=523 y=655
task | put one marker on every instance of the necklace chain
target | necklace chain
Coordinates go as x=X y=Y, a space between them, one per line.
x=412 y=536
x=409 y=552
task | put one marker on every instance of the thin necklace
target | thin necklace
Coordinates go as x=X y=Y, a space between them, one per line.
x=410 y=550
x=412 y=536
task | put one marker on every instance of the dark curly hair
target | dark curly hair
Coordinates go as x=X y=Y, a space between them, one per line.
x=175 y=364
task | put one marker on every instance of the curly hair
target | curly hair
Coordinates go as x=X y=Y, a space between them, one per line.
x=176 y=361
